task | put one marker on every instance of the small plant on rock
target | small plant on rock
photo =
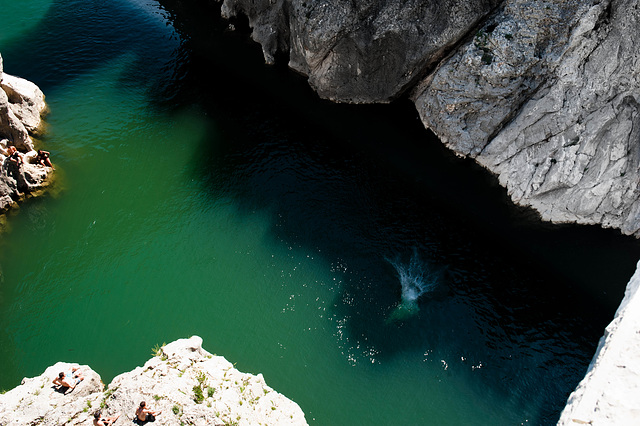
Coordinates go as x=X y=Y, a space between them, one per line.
x=157 y=351
x=198 y=396
x=198 y=390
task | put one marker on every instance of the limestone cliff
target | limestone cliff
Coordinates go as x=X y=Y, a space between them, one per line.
x=21 y=106
x=608 y=395
x=187 y=384
x=546 y=96
x=542 y=93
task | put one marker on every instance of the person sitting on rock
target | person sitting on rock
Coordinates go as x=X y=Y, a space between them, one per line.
x=68 y=380
x=14 y=156
x=98 y=420
x=144 y=414
x=43 y=159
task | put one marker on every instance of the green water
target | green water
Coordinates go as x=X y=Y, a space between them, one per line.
x=204 y=209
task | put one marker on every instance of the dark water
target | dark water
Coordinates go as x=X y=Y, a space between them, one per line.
x=281 y=228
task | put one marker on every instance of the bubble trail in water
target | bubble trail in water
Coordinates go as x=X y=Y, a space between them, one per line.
x=416 y=279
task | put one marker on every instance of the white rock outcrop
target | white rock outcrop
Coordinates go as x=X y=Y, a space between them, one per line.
x=22 y=105
x=609 y=394
x=187 y=384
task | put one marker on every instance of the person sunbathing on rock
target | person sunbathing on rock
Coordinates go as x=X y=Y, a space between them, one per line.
x=14 y=156
x=43 y=159
x=144 y=414
x=13 y=162
x=98 y=420
x=68 y=380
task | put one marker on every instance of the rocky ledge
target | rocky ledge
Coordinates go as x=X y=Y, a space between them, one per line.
x=608 y=395
x=21 y=107
x=184 y=382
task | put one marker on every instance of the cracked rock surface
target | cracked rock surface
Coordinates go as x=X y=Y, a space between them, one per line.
x=364 y=51
x=558 y=119
x=542 y=93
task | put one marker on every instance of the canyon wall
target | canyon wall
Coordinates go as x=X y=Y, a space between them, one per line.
x=542 y=93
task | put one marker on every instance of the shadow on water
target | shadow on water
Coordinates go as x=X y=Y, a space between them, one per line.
x=76 y=37
x=517 y=303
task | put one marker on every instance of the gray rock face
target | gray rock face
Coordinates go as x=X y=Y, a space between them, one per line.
x=543 y=93
x=365 y=51
x=473 y=94
x=184 y=382
x=609 y=392
x=564 y=138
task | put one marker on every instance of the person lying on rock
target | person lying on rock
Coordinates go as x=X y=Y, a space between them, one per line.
x=144 y=414
x=98 y=420
x=68 y=380
x=43 y=159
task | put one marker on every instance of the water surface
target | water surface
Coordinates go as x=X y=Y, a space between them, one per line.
x=199 y=191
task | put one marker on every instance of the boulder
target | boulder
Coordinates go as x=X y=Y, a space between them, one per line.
x=26 y=100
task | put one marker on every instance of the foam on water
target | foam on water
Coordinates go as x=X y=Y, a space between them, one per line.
x=417 y=278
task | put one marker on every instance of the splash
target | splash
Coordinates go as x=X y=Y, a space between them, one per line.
x=416 y=279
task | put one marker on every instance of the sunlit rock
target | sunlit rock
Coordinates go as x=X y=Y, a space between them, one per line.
x=187 y=384
x=21 y=107
x=608 y=395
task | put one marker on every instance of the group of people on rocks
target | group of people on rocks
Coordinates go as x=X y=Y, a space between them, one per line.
x=12 y=161
x=66 y=382
x=14 y=157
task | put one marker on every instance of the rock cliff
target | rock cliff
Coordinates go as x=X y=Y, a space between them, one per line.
x=187 y=384
x=542 y=93
x=553 y=110
x=21 y=106
x=608 y=395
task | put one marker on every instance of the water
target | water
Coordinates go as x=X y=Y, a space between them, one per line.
x=199 y=191
x=418 y=280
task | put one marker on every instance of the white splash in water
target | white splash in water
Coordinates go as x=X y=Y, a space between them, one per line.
x=416 y=278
